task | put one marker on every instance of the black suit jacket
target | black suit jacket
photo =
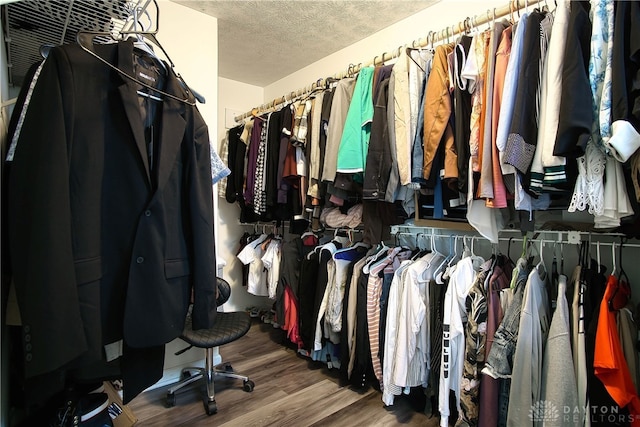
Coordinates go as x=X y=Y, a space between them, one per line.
x=105 y=246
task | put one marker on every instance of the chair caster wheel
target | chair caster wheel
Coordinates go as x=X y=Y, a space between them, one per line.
x=210 y=407
x=171 y=400
x=248 y=386
x=228 y=368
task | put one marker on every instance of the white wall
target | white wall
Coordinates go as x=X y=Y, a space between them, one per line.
x=435 y=18
x=191 y=40
x=234 y=98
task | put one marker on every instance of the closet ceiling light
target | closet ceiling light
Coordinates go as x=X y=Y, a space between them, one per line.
x=260 y=42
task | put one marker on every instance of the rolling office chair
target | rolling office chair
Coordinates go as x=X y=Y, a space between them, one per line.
x=227 y=328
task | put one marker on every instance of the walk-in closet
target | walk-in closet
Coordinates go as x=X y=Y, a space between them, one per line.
x=320 y=213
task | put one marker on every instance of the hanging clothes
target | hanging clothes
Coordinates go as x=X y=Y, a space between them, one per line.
x=558 y=381
x=625 y=115
x=407 y=338
x=499 y=363
x=499 y=199
x=609 y=363
x=528 y=356
x=462 y=110
x=475 y=344
x=553 y=173
x=520 y=146
x=461 y=280
x=578 y=339
x=489 y=386
x=354 y=145
x=339 y=110
x=251 y=255
x=436 y=115
x=486 y=185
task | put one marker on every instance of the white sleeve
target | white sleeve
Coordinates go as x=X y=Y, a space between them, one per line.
x=391 y=358
x=445 y=361
x=247 y=255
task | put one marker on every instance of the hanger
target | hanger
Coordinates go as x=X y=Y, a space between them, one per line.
x=622 y=292
x=613 y=258
x=85 y=40
x=524 y=247
x=319 y=248
x=413 y=60
x=509 y=249
x=541 y=261
x=434 y=249
x=467 y=25
x=45 y=49
x=344 y=251
x=382 y=249
x=380 y=256
x=140 y=42
x=453 y=246
x=513 y=21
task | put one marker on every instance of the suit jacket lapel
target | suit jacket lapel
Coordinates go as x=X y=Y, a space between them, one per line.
x=173 y=123
x=172 y=129
x=130 y=103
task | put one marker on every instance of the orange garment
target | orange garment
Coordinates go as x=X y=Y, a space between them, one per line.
x=502 y=59
x=437 y=111
x=609 y=363
x=291 y=317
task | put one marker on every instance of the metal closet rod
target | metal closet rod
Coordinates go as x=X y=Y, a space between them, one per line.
x=285 y=224
x=479 y=239
x=510 y=9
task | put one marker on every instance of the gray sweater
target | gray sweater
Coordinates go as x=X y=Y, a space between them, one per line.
x=559 y=389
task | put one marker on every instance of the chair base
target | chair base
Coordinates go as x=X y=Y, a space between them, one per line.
x=192 y=375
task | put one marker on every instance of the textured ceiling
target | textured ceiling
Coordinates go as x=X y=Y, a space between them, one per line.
x=260 y=42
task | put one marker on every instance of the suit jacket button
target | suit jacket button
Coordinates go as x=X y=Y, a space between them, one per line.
x=147 y=213
x=27 y=337
x=26 y=329
x=28 y=357
x=28 y=347
x=140 y=260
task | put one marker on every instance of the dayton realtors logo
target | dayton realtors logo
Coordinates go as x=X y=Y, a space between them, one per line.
x=543 y=410
x=547 y=411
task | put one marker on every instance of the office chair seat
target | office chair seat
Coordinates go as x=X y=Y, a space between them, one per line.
x=228 y=327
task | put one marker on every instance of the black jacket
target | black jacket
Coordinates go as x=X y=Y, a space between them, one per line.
x=108 y=243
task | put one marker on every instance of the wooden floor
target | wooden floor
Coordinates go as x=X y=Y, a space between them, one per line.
x=290 y=390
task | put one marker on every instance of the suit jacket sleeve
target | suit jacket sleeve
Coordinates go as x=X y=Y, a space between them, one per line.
x=202 y=216
x=39 y=211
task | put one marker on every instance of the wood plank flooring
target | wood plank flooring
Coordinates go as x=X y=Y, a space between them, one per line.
x=291 y=390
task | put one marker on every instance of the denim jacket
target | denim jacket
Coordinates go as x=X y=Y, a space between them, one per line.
x=500 y=359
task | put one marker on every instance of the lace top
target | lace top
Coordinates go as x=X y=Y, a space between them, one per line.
x=589 y=188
